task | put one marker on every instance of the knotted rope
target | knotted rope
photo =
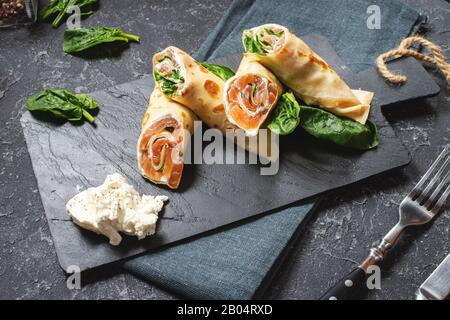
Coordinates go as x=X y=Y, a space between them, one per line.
x=404 y=49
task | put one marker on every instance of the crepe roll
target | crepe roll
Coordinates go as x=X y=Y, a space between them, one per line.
x=182 y=79
x=250 y=95
x=303 y=71
x=166 y=129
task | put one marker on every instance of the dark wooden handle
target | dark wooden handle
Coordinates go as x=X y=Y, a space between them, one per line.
x=349 y=287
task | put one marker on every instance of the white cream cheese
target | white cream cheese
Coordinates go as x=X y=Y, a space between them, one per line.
x=115 y=207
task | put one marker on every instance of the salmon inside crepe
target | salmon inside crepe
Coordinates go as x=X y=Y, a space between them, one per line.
x=161 y=149
x=303 y=71
x=249 y=98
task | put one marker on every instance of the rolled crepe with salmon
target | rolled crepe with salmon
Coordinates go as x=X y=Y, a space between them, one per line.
x=303 y=71
x=182 y=79
x=250 y=95
x=166 y=129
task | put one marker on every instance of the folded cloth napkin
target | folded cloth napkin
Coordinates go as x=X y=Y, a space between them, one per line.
x=230 y=264
x=347 y=24
x=235 y=263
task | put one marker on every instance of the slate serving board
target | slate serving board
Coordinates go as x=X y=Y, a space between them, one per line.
x=69 y=158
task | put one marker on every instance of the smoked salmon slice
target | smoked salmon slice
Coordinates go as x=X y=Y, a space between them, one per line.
x=166 y=128
x=251 y=95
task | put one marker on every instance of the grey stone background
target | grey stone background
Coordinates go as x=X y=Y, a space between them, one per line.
x=335 y=239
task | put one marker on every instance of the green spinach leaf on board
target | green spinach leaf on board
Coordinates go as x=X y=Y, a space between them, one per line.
x=286 y=116
x=76 y=40
x=222 y=72
x=59 y=9
x=63 y=104
x=289 y=114
x=339 y=130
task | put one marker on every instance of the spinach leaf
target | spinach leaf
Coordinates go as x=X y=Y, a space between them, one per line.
x=289 y=114
x=339 y=130
x=273 y=33
x=256 y=43
x=286 y=116
x=76 y=40
x=169 y=84
x=222 y=72
x=60 y=8
x=253 y=45
x=63 y=104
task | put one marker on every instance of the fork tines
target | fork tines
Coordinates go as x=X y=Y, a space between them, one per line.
x=433 y=189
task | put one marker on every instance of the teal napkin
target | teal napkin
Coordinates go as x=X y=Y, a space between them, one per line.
x=343 y=22
x=230 y=264
x=235 y=263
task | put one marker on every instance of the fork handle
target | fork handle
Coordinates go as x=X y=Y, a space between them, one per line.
x=349 y=287
x=352 y=285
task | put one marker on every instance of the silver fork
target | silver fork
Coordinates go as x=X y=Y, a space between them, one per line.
x=419 y=207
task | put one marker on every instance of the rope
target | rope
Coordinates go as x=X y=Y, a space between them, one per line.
x=404 y=49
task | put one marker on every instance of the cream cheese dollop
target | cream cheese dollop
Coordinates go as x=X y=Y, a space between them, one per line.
x=115 y=206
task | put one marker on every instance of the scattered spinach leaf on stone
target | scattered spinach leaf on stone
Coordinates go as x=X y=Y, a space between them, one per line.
x=76 y=40
x=59 y=9
x=63 y=104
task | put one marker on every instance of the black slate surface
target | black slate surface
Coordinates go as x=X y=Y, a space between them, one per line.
x=333 y=241
x=68 y=158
